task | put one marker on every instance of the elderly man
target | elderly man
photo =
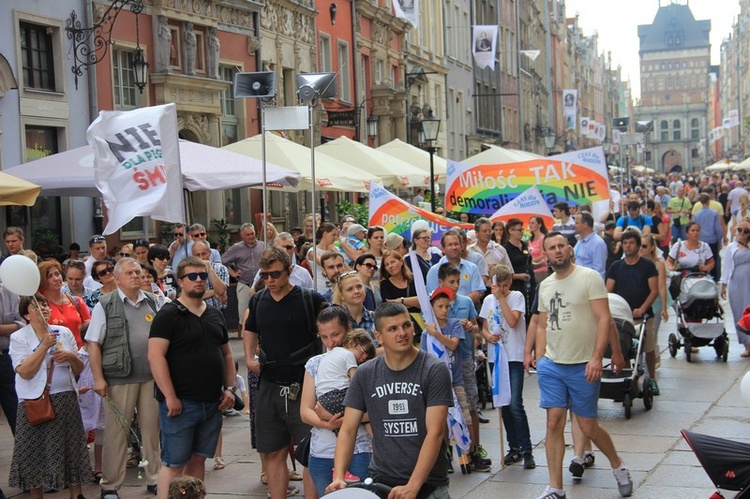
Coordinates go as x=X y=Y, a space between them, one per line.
x=243 y=261
x=492 y=252
x=119 y=332
x=198 y=233
x=299 y=276
x=218 y=276
x=471 y=280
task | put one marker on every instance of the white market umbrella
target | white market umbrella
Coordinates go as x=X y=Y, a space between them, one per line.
x=416 y=157
x=496 y=155
x=17 y=192
x=331 y=174
x=391 y=171
x=204 y=168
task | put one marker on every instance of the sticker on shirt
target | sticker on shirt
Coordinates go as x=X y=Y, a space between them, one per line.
x=466 y=277
x=149 y=317
x=396 y=428
x=397 y=407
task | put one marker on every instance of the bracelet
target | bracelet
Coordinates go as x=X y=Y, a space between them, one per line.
x=402 y=300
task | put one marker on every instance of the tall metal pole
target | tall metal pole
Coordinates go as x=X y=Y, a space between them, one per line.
x=263 y=154
x=432 y=178
x=521 y=139
x=312 y=185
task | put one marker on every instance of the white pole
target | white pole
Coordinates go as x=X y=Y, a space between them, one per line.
x=312 y=184
x=265 y=187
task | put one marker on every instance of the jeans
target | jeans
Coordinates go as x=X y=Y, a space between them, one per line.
x=514 y=416
x=678 y=233
x=321 y=470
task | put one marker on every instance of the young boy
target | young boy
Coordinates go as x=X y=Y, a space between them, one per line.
x=503 y=311
x=462 y=308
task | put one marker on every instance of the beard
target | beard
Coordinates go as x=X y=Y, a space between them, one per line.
x=563 y=265
x=196 y=293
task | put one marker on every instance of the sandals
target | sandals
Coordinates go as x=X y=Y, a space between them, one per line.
x=746 y=353
x=218 y=464
x=263 y=478
x=97 y=477
x=290 y=491
x=294 y=476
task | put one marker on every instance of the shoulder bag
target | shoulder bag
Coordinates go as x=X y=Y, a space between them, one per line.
x=39 y=410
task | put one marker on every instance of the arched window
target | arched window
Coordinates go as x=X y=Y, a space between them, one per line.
x=676 y=132
x=664 y=130
x=694 y=129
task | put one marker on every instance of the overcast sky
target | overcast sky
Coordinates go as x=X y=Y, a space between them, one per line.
x=617 y=22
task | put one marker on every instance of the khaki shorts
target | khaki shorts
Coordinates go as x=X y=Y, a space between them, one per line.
x=649 y=337
x=463 y=402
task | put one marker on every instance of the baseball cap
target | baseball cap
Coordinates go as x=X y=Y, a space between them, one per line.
x=355 y=229
x=393 y=241
x=442 y=291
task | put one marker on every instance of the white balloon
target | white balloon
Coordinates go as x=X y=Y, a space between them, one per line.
x=745 y=388
x=20 y=275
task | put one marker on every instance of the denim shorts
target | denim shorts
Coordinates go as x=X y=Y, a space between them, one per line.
x=565 y=385
x=194 y=431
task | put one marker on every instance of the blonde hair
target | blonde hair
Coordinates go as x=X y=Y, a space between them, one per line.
x=501 y=273
x=337 y=298
x=655 y=253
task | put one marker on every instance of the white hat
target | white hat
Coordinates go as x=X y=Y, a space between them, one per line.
x=393 y=241
x=419 y=224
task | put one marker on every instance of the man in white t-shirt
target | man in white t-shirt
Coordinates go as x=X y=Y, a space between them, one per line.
x=574 y=327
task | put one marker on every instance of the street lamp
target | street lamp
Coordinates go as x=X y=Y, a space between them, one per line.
x=372 y=125
x=430 y=129
x=549 y=140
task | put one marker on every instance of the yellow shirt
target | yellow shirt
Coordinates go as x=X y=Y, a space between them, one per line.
x=714 y=205
x=571 y=325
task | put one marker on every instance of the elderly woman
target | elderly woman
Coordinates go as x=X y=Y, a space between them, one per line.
x=333 y=324
x=66 y=310
x=421 y=243
x=51 y=454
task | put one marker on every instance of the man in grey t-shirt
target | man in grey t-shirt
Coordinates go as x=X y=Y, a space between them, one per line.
x=406 y=394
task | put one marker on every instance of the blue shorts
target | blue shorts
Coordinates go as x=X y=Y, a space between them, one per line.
x=565 y=386
x=195 y=431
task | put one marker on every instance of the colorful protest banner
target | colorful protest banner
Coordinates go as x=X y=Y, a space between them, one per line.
x=137 y=164
x=396 y=215
x=577 y=177
x=529 y=204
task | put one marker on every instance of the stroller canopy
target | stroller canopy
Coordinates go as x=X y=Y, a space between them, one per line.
x=619 y=308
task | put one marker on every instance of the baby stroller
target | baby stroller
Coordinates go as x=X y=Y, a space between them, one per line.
x=631 y=383
x=727 y=463
x=700 y=318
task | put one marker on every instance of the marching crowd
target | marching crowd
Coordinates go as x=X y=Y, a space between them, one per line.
x=142 y=332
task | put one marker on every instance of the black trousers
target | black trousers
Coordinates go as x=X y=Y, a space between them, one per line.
x=8 y=397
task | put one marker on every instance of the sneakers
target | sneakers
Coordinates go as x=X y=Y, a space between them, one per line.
x=109 y=494
x=528 y=461
x=655 y=388
x=481 y=418
x=576 y=467
x=480 y=452
x=624 y=482
x=513 y=456
x=551 y=494
x=588 y=459
x=480 y=464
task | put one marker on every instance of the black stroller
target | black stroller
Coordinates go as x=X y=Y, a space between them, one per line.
x=727 y=463
x=700 y=318
x=631 y=383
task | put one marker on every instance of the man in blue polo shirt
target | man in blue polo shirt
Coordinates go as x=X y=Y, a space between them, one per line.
x=471 y=281
x=591 y=250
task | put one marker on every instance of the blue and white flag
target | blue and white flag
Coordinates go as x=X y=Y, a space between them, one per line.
x=500 y=380
x=458 y=427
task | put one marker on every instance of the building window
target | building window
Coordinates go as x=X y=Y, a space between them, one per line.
x=42 y=141
x=200 y=52
x=378 y=72
x=175 y=50
x=326 y=64
x=676 y=132
x=229 y=120
x=36 y=56
x=345 y=86
x=694 y=129
x=123 y=79
x=664 y=130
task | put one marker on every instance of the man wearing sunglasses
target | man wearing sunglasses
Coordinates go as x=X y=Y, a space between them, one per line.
x=298 y=276
x=198 y=233
x=282 y=322
x=190 y=357
x=97 y=251
x=182 y=246
x=119 y=332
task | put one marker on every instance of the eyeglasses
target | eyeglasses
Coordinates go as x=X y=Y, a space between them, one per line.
x=288 y=247
x=193 y=276
x=371 y=266
x=645 y=246
x=422 y=238
x=347 y=274
x=122 y=253
x=274 y=274
x=199 y=234
x=98 y=239
x=105 y=271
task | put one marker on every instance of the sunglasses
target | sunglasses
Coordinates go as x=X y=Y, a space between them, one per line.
x=743 y=231
x=142 y=242
x=122 y=253
x=645 y=246
x=105 y=271
x=274 y=274
x=199 y=234
x=193 y=276
x=371 y=266
x=288 y=247
x=162 y=257
x=98 y=239
x=348 y=273
x=179 y=234
x=350 y=219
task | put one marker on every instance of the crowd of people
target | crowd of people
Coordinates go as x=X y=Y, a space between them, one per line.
x=141 y=333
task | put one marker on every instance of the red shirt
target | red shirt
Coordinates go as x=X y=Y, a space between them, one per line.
x=70 y=315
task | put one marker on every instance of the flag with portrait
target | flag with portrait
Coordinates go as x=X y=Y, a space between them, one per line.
x=484 y=43
x=408 y=10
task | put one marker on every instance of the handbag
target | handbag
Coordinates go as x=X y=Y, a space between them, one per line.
x=39 y=410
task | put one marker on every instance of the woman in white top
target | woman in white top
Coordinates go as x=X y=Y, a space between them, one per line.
x=691 y=253
x=52 y=454
x=737 y=218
